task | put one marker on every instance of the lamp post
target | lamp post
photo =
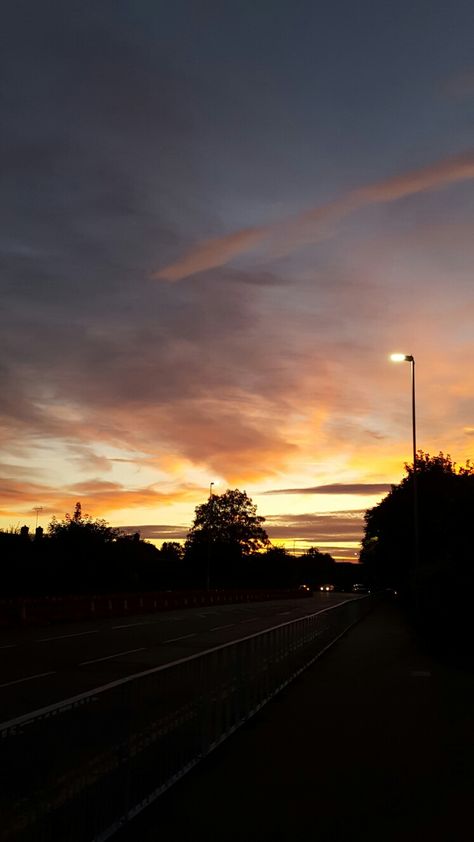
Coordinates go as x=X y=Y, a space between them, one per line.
x=409 y=358
x=208 y=572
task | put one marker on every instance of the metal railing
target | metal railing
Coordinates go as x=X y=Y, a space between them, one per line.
x=80 y=769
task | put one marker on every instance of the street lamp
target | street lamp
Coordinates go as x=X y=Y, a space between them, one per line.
x=208 y=571
x=408 y=358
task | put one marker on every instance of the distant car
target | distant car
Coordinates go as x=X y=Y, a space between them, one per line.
x=360 y=588
x=326 y=587
x=306 y=588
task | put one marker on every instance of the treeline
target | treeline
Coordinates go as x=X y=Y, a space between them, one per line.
x=431 y=566
x=226 y=547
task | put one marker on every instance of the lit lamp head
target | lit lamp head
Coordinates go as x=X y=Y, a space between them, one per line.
x=401 y=358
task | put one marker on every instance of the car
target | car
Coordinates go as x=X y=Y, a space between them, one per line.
x=306 y=588
x=359 y=587
x=326 y=587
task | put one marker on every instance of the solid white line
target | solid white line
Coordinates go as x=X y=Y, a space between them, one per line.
x=216 y=628
x=27 y=678
x=63 y=636
x=183 y=637
x=108 y=657
x=9 y=646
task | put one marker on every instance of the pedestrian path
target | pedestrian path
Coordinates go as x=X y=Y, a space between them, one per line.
x=375 y=741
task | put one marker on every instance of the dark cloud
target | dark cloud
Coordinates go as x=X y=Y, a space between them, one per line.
x=314 y=528
x=159 y=532
x=337 y=488
x=99 y=179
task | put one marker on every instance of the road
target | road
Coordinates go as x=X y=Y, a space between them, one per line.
x=372 y=743
x=43 y=666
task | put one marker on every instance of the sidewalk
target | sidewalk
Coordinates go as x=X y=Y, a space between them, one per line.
x=375 y=741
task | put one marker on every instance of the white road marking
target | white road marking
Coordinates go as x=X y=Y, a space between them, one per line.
x=281 y=613
x=63 y=636
x=8 y=646
x=128 y=625
x=108 y=657
x=65 y=703
x=216 y=628
x=183 y=637
x=27 y=678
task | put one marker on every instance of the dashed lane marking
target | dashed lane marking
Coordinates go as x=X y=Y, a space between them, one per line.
x=227 y=626
x=183 y=637
x=109 y=657
x=127 y=625
x=63 y=636
x=27 y=678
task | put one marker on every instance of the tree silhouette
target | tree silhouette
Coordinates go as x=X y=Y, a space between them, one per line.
x=316 y=568
x=225 y=530
x=231 y=520
x=79 y=529
x=445 y=507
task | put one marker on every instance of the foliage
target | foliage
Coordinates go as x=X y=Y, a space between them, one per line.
x=172 y=551
x=228 y=520
x=317 y=568
x=227 y=546
x=77 y=555
x=79 y=529
x=445 y=495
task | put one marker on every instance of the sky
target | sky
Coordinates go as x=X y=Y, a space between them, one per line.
x=218 y=220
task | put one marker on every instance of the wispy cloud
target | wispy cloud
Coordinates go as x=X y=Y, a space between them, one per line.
x=159 y=531
x=312 y=225
x=336 y=488
x=330 y=527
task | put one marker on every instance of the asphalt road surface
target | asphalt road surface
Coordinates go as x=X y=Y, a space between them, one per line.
x=43 y=666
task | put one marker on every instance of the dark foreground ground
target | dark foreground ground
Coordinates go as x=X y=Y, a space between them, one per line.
x=373 y=742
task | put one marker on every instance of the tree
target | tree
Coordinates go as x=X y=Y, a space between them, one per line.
x=316 y=568
x=226 y=527
x=229 y=519
x=172 y=552
x=80 y=557
x=172 y=569
x=80 y=529
x=274 y=568
x=445 y=507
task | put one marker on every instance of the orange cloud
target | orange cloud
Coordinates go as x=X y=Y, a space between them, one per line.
x=96 y=496
x=213 y=253
x=312 y=225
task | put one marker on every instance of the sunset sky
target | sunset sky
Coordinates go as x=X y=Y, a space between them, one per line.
x=218 y=219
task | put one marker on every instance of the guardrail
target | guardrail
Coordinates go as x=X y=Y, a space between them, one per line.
x=80 y=769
